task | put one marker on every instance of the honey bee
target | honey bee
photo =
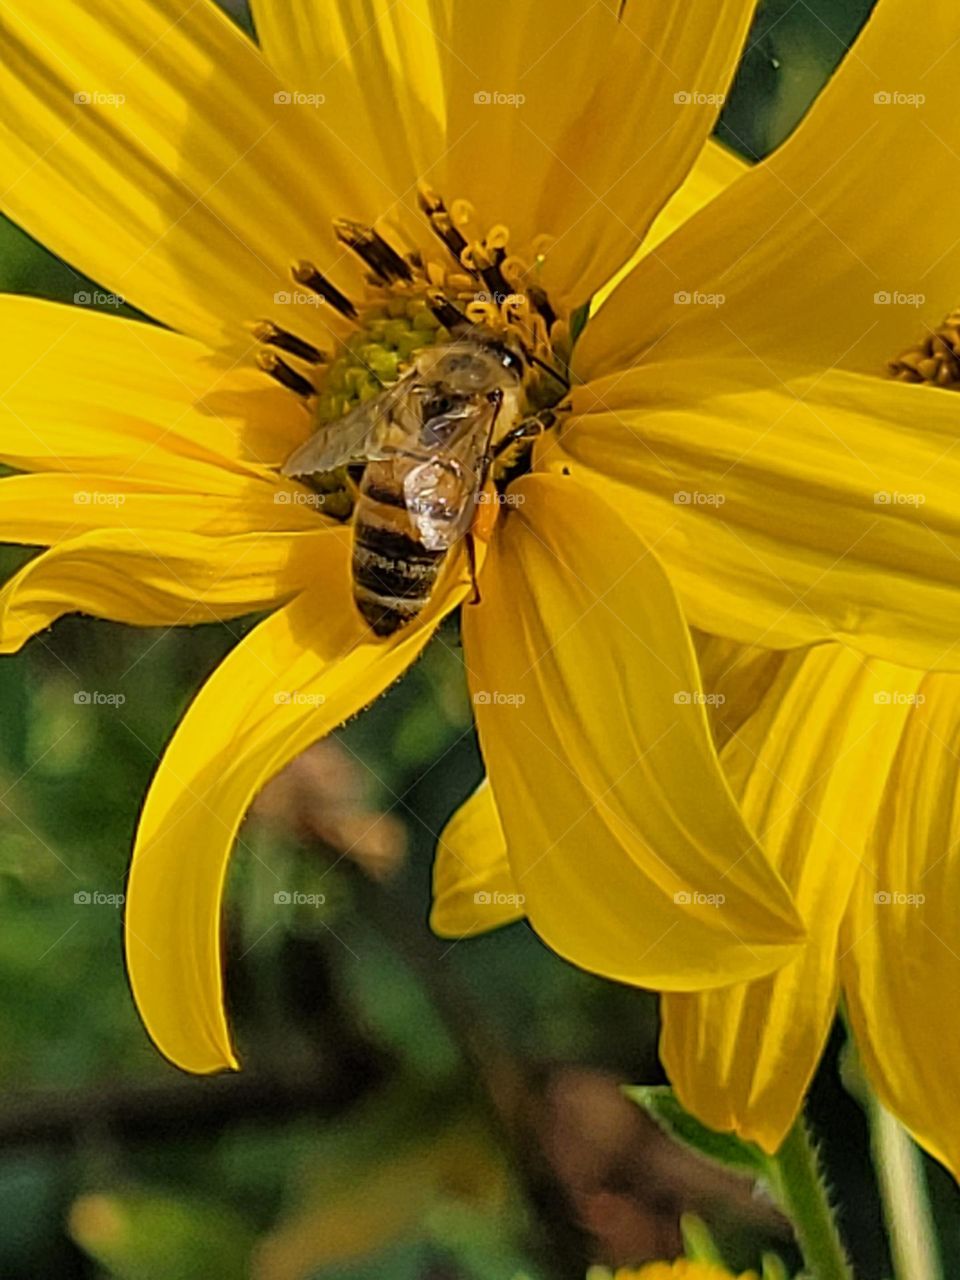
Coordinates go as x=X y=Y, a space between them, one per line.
x=427 y=443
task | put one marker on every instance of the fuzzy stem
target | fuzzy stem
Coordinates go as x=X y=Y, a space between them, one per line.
x=799 y=1187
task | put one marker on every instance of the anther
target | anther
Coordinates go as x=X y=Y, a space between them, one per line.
x=448 y=315
x=382 y=259
x=282 y=373
x=936 y=360
x=441 y=223
x=273 y=336
x=541 y=304
x=306 y=273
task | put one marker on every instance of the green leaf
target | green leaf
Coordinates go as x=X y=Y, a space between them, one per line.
x=722 y=1148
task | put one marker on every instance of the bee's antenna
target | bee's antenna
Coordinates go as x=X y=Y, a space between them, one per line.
x=542 y=364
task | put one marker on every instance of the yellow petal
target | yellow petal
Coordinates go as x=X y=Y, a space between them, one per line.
x=377 y=68
x=170 y=579
x=530 y=89
x=81 y=391
x=298 y=675
x=857 y=203
x=809 y=770
x=738 y=677
x=787 y=509
x=621 y=830
x=715 y=168
x=44 y=509
x=901 y=960
x=473 y=887
x=192 y=181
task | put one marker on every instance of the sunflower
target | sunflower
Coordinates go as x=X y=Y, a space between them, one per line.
x=302 y=216
x=680 y=1270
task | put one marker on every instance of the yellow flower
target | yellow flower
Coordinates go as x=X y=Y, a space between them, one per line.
x=680 y=1270
x=849 y=771
x=718 y=456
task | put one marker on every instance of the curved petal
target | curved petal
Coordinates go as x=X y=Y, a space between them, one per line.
x=738 y=677
x=856 y=206
x=715 y=168
x=900 y=965
x=82 y=391
x=787 y=509
x=473 y=886
x=136 y=576
x=742 y=1057
x=191 y=178
x=622 y=833
x=297 y=676
x=530 y=88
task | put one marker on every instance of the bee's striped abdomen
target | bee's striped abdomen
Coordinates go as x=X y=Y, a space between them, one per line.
x=393 y=572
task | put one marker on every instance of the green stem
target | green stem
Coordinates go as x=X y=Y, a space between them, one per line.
x=799 y=1187
x=903 y=1191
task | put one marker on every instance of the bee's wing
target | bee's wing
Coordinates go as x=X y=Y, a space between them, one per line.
x=360 y=436
x=440 y=493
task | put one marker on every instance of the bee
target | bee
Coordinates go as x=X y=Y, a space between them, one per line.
x=426 y=443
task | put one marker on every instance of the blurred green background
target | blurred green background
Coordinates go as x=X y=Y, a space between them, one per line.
x=409 y=1109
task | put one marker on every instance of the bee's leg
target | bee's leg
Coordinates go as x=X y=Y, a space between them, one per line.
x=472 y=562
x=529 y=429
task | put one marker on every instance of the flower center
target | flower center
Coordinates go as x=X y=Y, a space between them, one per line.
x=936 y=361
x=412 y=301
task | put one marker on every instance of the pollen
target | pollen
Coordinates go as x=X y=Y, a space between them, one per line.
x=413 y=299
x=936 y=361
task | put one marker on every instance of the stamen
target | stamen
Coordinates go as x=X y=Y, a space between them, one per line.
x=282 y=373
x=306 y=273
x=448 y=315
x=441 y=223
x=273 y=336
x=936 y=361
x=382 y=259
x=541 y=304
